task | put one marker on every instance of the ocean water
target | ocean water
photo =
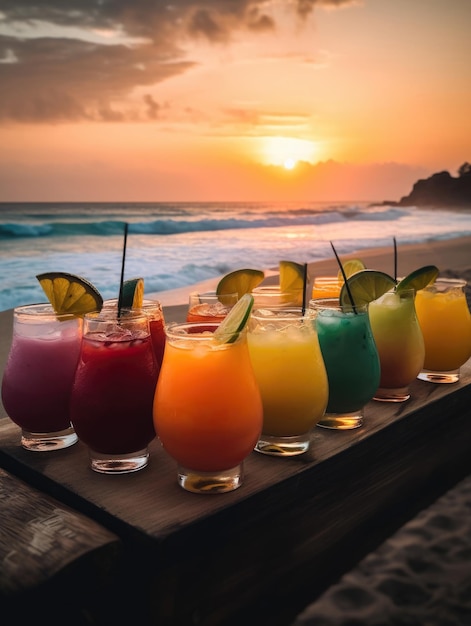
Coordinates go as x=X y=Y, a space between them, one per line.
x=173 y=245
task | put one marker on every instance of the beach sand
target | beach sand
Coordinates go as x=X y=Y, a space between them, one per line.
x=421 y=576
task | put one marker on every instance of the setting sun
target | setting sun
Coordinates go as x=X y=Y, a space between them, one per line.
x=287 y=151
x=235 y=100
x=289 y=163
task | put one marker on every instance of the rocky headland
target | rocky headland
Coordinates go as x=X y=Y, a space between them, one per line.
x=441 y=190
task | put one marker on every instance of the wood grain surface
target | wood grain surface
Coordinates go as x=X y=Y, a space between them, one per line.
x=47 y=549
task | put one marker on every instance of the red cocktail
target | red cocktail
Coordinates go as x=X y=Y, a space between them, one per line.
x=113 y=391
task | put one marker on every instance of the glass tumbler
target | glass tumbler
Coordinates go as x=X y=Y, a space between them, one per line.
x=326 y=287
x=113 y=391
x=209 y=306
x=351 y=360
x=287 y=360
x=38 y=376
x=445 y=320
x=207 y=407
x=153 y=310
x=399 y=341
x=271 y=296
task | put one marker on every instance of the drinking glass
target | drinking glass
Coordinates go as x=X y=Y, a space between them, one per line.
x=207 y=407
x=445 y=320
x=38 y=376
x=270 y=296
x=326 y=287
x=209 y=306
x=351 y=360
x=153 y=310
x=287 y=360
x=399 y=341
x=113 y=391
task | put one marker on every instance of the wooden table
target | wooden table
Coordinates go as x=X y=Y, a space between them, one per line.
x=260 y=554
x=46 y=550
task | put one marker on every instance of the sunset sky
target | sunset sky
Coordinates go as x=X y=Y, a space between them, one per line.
x=219 y=100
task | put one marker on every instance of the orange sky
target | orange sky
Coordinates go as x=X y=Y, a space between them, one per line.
x=231 y=99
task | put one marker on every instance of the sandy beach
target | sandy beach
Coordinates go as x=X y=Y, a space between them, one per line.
x=421 y=576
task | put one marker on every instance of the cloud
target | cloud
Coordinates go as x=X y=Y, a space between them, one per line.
x=72 y=60
x=251 y=122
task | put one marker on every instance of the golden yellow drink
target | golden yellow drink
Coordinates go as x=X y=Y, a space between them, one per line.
x=289 y=368
x=399 y=341
x=445 y=320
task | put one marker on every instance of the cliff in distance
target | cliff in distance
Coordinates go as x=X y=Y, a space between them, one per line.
x=441 y=190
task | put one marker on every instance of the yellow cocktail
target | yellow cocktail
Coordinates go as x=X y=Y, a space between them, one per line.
x=445 y=320
x=399 y=342
x=289 y=368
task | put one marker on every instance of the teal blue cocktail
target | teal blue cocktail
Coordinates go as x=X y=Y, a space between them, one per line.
x=351 y=361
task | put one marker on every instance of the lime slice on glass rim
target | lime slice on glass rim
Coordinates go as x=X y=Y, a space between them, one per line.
x=292 y=279
x=350 y=267
x=240 y=282
x=419 y=278
x=235 y=321
x=365 y=286
x=70 y=294
x=133 y=293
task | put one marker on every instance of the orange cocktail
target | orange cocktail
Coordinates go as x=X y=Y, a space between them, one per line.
x=445 y=320
x=326 y=287
x=207 y=406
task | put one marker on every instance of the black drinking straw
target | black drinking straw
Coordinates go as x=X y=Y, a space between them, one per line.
x=304 y=288
x=120 y=298
x=395 y=259
x=345 y=279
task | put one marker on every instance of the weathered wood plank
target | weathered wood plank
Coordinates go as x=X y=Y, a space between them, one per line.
x=46 y=550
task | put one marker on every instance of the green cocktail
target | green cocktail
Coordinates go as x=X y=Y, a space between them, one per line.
x=351 y=361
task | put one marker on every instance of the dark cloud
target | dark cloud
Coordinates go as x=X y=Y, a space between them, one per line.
x=50 y=78
x=64 y=79
x=153 y=108
x=203 y=23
